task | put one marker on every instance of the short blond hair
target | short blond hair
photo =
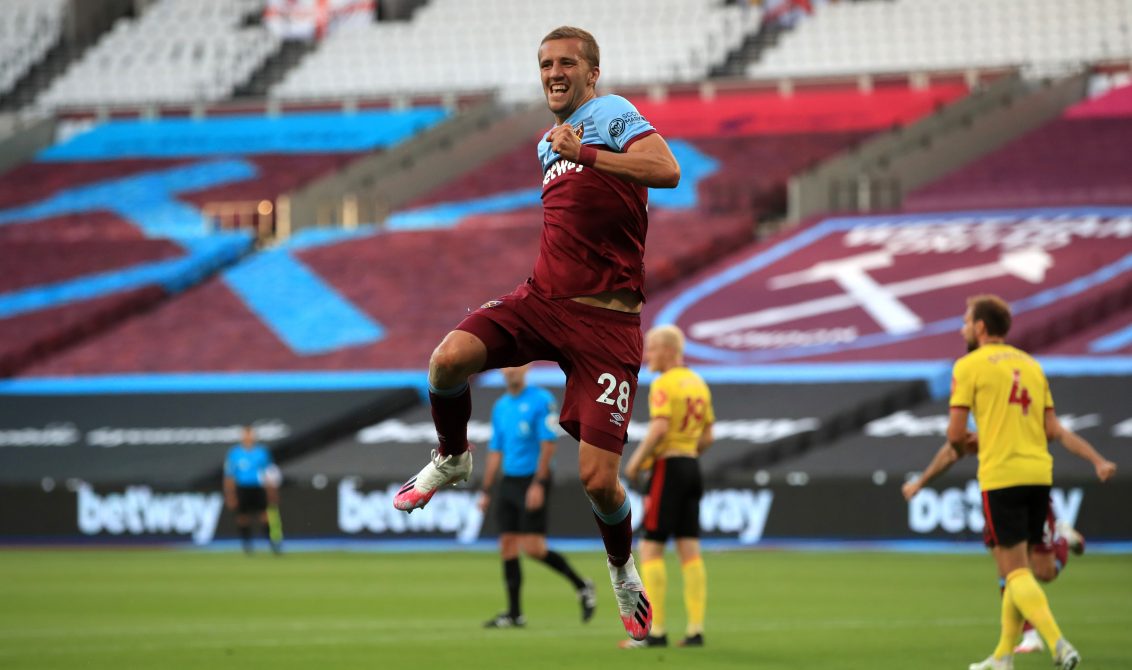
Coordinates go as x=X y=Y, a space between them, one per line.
x=669 y=335
x=590 y=50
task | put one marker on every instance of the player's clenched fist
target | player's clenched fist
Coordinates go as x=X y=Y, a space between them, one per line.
x=564 y=142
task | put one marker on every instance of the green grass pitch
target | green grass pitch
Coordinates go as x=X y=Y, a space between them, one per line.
x=120 y=609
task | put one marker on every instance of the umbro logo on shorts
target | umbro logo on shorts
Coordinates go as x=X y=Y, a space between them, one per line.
x=616 y=419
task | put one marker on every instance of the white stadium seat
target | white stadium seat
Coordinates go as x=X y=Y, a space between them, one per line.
x=179 y=51
x=909 y=35
x=475 y=45
x=28 y=30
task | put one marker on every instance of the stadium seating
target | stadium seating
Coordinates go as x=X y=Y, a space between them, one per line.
x=1078 y=159
x=178 y=51
x=926 y=35
x=469 y=45
x=113 y=220
x=28 y=30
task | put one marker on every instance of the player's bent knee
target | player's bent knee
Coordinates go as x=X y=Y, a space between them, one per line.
x=459 y=356
x=601 y=485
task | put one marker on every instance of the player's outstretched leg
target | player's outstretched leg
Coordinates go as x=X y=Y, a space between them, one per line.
x=460 y=355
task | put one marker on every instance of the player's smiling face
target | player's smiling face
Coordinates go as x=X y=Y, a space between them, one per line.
x=568 y=79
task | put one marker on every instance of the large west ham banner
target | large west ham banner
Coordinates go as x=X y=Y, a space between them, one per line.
x=895 y=287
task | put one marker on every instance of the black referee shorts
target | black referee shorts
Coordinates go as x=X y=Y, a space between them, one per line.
x=511 y=508
x=1015 y=514
x=251 y=499
x=672 y=504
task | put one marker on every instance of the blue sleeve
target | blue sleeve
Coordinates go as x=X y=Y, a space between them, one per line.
x=618 y=122
x=496 y=443
x=228 y=463
x=546 y=413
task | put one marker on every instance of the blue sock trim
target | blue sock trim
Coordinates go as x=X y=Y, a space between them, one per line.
x=616 y=517
x=1002 y=582
x=448 y=393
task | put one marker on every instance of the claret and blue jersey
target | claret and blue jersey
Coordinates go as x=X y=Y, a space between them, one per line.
x=594 y=223
x=519 y=425
x=609 y=120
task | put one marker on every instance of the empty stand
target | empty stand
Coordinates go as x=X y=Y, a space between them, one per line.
x=179 y=51
x=470 y=45
x=1078 y=159
x=925 y=35
x=113 y=220
x=28 y=30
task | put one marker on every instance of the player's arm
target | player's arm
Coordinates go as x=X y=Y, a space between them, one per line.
x=658 y=426
x=1078 y=446
x=648 y=161
x=229 y=492
x=705 y=441
x=957 y=434
x=494 y=459
x=940 y=463
x=536 y=493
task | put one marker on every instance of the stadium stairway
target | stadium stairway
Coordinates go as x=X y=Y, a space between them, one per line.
x=274 y=69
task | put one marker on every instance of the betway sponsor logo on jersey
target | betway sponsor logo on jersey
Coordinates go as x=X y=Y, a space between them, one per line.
x=448 y=513
x=959 y=510
x=560 y=167
x=140 y=511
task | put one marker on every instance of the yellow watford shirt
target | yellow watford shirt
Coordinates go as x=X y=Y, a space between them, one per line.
x=1008 y=394
x=683 y=397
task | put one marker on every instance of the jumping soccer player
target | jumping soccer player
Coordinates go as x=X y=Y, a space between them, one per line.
x=581 y=306
x=1013 y=409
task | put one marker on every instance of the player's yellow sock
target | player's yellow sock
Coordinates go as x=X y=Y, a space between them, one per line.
x=695 y=594
x=655 y=577
x=1023 y=590
x=1011 y=628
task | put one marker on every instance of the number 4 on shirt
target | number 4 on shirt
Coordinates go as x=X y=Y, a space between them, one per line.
x=1019 y=395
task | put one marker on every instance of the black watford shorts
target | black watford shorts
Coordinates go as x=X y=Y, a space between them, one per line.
x=672 y=505
x=1015 y=514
